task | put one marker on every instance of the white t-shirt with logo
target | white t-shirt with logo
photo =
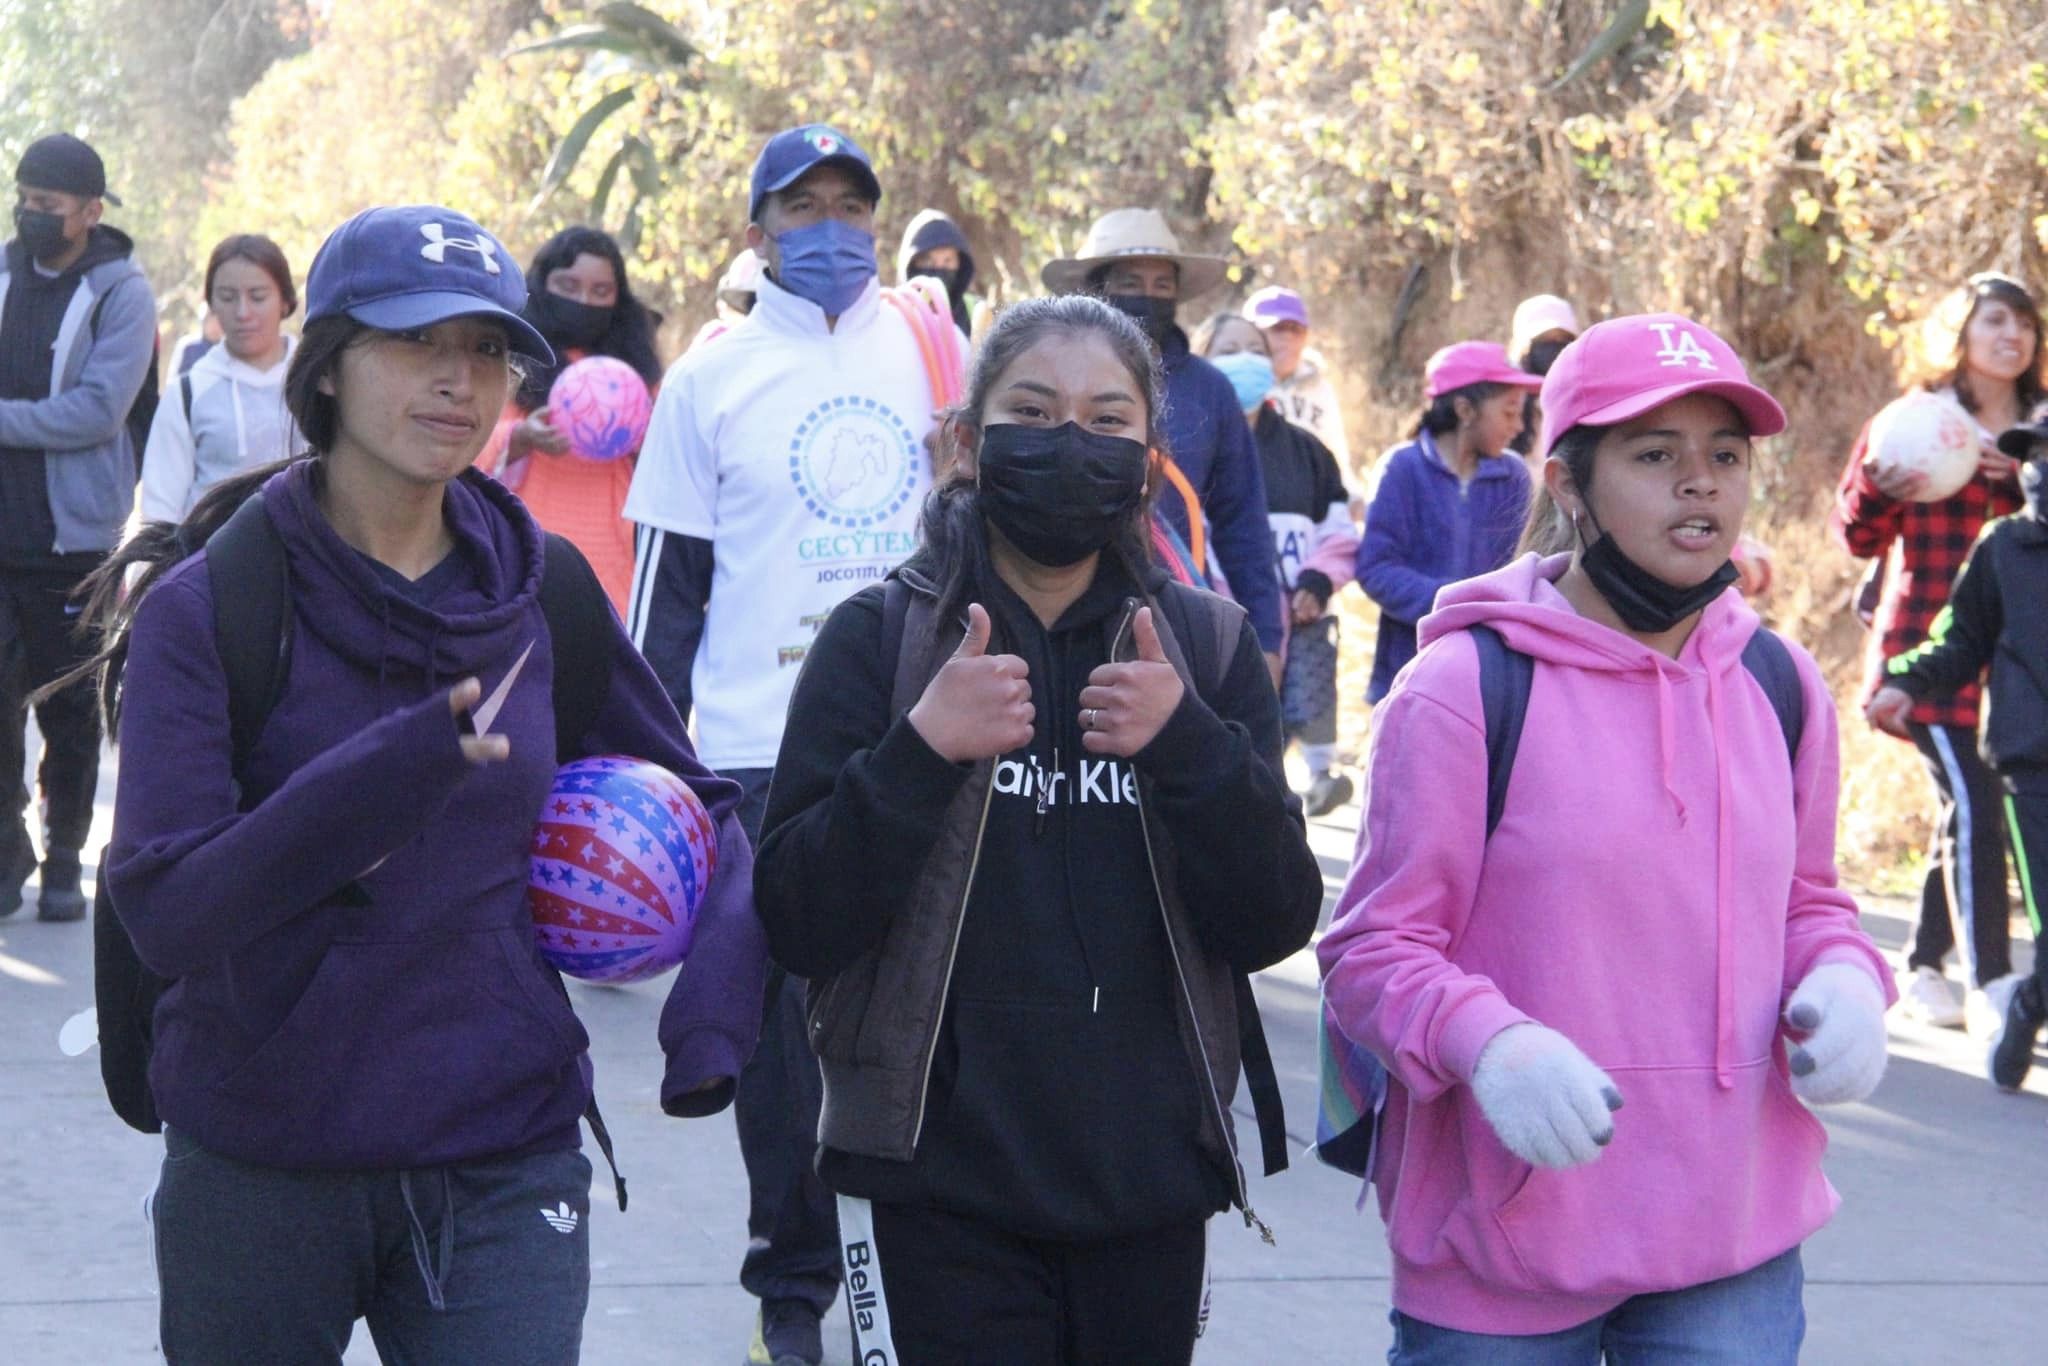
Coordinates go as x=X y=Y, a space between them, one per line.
x=798 y=452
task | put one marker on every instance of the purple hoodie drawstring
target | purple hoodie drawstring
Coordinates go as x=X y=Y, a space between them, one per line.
x=432 y=1276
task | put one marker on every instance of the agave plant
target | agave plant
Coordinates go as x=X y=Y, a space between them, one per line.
x=618 y=38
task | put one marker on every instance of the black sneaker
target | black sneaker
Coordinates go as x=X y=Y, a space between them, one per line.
x=2012 y=1046
x=60 y=898
x=15 y=866
x=786 y=1333
x=1328 y=792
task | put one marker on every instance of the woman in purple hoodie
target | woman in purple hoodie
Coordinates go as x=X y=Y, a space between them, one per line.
x=369 y=1083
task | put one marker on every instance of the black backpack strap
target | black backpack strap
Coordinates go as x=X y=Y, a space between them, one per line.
x=185 y=397
x=910 y=633
x=125 y=994
x=252 y=623
x=1207 y=648
x=1504 y=678
x=1770 y=663
x=579 y=640
x=578 y=614
x=1260 y=1079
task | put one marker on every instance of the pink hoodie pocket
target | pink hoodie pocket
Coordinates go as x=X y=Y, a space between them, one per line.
x=1699 y=1183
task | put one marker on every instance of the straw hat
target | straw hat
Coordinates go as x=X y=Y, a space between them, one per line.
x=1124 y=233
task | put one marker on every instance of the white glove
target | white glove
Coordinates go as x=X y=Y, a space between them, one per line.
x=1545 y=1099
x=1836 y=1022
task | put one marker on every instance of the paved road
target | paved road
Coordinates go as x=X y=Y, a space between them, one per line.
x=1940 y=1253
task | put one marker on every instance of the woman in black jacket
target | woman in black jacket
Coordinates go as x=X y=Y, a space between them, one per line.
x=1027 y=832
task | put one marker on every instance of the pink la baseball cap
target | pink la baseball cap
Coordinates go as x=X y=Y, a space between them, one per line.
x=1624 y=367
x=1276 y=304
x=1474 y=362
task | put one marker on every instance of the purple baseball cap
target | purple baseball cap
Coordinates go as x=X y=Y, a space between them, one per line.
x=790 y=154
x=417 y=265
x=1474 y=362
x=1276 y=304
x=1624 y=367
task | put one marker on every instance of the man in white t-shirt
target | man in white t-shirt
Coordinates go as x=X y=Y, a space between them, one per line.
x=784 y=469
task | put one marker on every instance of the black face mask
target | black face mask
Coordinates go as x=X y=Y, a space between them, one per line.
x=567 y=323
x=1153 y=314
x=41 y=233
x=1059 y=494
x=1543 y=355
x=949 y=278
x=1643 y=601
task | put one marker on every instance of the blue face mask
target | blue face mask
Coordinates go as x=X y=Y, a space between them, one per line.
x=1249 y=373
x=828 y=262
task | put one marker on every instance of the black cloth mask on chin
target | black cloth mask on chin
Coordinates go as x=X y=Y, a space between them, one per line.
x=1148 y=311
x=1643 y=601
x=1059 y=494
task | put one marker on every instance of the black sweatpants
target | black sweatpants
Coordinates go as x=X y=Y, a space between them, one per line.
x=485 y=1261
x=37 y=644
x=1963 y=903
x=792 y=1225
x=2026 y=817
x=927 y=1288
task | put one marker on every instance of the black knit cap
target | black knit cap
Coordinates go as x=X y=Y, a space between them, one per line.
x=66 y=164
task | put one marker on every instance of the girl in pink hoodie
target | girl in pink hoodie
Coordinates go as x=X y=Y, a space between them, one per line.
x=1602 y=1019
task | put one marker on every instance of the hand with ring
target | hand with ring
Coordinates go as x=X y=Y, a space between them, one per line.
x=1125 y=705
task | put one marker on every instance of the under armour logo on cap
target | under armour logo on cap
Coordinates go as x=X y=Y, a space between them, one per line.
x=438 y=243
x=1682 y=348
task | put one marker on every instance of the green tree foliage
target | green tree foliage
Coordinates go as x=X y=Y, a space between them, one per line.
x=151 y=87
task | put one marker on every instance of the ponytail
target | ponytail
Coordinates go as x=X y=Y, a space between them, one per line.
x=1549 y=530
x=111 y=594
x=110 y=599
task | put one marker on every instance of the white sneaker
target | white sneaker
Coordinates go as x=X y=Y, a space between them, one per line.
x=1984 y=1009
x=1929 y=999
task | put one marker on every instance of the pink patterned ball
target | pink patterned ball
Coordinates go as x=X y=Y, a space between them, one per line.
x=601 y=405
x=621 y=858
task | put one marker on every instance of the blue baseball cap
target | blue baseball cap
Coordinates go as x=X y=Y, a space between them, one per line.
x=791 y=154
x=417 y=265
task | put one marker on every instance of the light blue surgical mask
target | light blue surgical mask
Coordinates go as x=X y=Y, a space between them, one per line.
x=828 y=262
x=1249 y=373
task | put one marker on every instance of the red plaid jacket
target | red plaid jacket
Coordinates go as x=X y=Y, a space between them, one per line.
x=1933 y=540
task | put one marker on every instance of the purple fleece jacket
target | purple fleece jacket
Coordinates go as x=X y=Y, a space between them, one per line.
x=355 y=981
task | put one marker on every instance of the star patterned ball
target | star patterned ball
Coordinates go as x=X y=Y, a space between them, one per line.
x=621 y=858
x=600 y=405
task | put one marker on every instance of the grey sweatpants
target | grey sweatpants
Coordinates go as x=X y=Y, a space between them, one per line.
x=484 y=1261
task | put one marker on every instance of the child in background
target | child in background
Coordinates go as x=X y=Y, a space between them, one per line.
x=1994 y=620
x=1314 y=540
x=1447 y=507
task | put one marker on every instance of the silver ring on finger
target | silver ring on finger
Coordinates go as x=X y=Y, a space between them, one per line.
x=1088 y=718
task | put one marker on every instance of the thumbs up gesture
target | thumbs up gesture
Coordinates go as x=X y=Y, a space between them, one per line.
x=1125 y=705
x=978 y=705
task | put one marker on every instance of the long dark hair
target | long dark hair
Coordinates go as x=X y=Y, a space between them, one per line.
x=954 y=553
x=1991 y=287
x=110 y=600
x=631 y=335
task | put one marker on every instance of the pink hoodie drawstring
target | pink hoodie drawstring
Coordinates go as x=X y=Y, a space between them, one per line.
x=1667 y=741
x=1724 y=881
